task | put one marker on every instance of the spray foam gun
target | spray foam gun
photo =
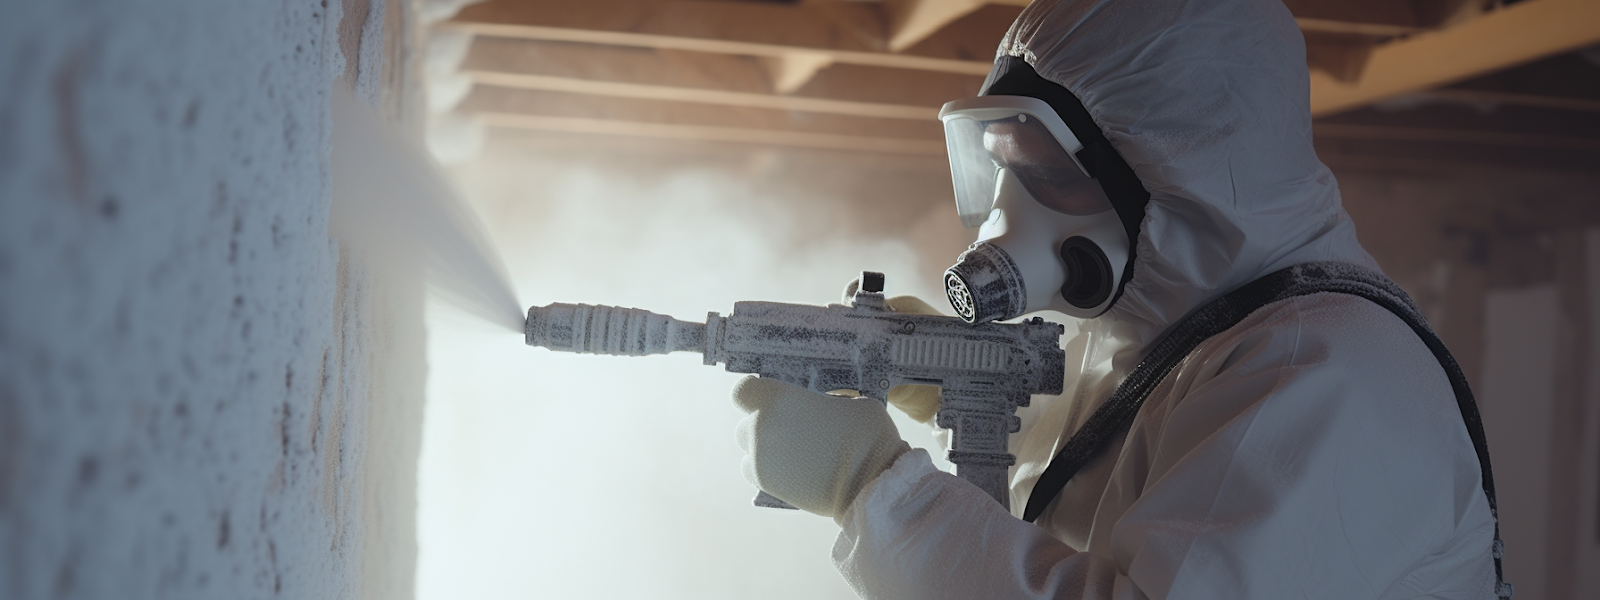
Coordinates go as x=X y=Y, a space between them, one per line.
x=984 y=371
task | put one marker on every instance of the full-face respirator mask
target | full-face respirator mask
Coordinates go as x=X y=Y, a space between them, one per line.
x=1048 y=237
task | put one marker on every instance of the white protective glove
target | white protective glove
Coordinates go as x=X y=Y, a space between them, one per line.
x=814 y=451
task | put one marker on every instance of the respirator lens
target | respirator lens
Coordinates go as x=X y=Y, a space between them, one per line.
x=972 y=168
x=1024 y=145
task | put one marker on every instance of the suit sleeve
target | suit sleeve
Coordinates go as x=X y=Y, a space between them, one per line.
x=1321 y=457
x=918 y=532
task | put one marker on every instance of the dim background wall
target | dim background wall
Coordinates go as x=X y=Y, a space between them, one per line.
x=1503 y=261
x=202 y=394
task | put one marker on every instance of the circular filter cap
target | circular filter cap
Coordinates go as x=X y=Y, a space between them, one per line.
x=985 y=285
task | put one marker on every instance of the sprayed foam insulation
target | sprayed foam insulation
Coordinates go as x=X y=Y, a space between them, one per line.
x=202 y=395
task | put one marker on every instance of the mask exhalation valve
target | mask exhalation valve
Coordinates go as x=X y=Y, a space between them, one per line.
x=1089 y=276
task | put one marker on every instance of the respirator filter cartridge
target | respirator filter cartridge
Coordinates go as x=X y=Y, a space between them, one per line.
x=985 y=285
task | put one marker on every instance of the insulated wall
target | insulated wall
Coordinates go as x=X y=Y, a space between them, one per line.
x=202 y=395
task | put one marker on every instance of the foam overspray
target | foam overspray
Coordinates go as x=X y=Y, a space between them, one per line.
x=547 y=474
x=393 y=204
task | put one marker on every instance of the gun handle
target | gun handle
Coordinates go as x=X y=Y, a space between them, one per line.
x=766 y=500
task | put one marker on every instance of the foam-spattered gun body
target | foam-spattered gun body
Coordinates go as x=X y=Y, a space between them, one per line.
x=985 y=371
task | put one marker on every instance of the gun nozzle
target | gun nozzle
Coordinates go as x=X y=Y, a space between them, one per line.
x=610 y=330
x=527 y=327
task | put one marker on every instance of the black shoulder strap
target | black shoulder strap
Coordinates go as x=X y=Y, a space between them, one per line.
x=1116 y=415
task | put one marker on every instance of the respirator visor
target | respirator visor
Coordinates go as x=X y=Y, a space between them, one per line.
x=1024 y=137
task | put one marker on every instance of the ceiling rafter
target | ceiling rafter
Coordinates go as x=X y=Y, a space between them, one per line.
x=560 y=104
x=702 y=96
x=715 y=46
x=706 y=78
x=1377 y=30
x=796 y=42
x=798 y=39
x=707 y=133
x=778 y=57
x=1497 y=40
x=912 y=21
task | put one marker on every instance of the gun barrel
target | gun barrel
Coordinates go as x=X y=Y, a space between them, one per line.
x=613 y=330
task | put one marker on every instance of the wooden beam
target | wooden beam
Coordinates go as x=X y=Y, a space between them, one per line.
x=703 y=96
x=838 y=26
x=911 y=21
x=672 y=68
x=1443 y=13
x=1340 y=34
x=750 y=29
x=1341 y=55
x=1424 y=59
x=796 y=42
x=619 y=63
x=642 y=40
x=1342 y=14
x=486 y=99
x=1500 y=39
x=705 y=133
x=1377 y=30
x=792 y=71
x=855 y=82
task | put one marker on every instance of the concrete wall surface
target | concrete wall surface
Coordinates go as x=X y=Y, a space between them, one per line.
x=201 y=394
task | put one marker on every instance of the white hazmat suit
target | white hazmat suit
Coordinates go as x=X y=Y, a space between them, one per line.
x=1315 y=450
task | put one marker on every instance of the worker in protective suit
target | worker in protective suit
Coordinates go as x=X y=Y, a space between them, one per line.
x=1251 y=409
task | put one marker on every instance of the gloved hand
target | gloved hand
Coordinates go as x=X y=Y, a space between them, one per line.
x=814 y=451
x=920 y=402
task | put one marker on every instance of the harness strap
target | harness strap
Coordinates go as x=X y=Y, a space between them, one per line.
x=1118 y=412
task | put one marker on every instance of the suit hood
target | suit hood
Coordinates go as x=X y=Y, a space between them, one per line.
x=1208 y=104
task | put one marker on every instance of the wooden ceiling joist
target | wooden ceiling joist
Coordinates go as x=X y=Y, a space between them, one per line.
x=702 y=96
x=1497 y=40
x=703 y=133
x=794 y=42
x=1381 y=17
x=814 y=32
x=792 y=71
x=644 y=40
x=867 y=76
x=668 y=68
x=486 y=99
x=911 y=21
x=1378 y=30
